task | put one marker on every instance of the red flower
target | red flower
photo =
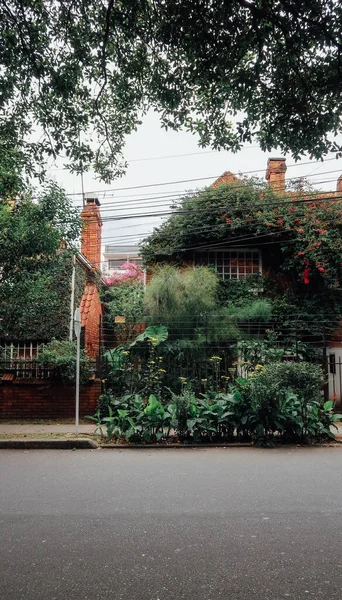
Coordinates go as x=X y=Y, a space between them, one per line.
x=300 y=230
x=228 y=221
x=300 y=253
x=292 y=209
x=305 y=276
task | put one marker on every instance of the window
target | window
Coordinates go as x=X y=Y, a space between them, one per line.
x=231 y=264
x=116 y=263
x=14 y=350
x=332 y=364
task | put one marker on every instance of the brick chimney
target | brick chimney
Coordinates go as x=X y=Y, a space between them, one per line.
x=92 y=232
x=339 y=184
x=275 y=173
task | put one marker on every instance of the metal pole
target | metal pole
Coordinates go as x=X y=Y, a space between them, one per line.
x=77 y=328
x=78 y=381
x=72 y=301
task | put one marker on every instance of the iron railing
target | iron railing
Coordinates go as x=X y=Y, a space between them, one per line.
x=25 y=369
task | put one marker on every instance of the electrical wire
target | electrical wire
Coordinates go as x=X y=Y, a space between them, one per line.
x=135 y=187
x=187 y=193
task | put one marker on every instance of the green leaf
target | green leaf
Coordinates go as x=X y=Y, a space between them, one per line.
x=123 y=413
x=156 y=334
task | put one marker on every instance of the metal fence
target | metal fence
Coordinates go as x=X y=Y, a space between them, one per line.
x=334 y=376
x=24 y=369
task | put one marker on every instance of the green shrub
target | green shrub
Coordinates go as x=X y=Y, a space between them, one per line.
x=61 y=354
x=286 y=398
x=281 y=401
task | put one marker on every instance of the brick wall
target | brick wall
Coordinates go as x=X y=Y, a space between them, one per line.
x=91 y=232
x=91 y=312
x=45 y=400
x=275 y=173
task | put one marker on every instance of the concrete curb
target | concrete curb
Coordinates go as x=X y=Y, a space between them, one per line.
x=171 y=446
x=223 y=446
x=79 y=444
x=89 y=444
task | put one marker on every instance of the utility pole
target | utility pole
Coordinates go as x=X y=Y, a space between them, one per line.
x=77 y=328
x=72 y=301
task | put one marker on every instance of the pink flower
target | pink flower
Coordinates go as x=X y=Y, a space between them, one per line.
x=129 y=273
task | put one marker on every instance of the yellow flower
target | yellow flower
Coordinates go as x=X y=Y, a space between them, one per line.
x=215 y=359
x=224 y=377
x=204 y=380
x=125 y=352
x=259 y=367
x=162 y=371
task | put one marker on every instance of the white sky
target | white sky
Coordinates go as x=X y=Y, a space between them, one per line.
x=153 y=143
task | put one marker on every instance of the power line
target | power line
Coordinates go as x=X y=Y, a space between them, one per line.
x=189 y=193
x=209 y=228
x=136 y=187
x=177 y=212
x=145 y=159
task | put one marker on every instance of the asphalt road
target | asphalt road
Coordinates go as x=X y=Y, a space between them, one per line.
x=237 y=524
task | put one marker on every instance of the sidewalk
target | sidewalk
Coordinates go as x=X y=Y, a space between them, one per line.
x=64 y=427
x=47 y=428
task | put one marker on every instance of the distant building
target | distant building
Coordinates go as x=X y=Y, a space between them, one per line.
x=116 y=256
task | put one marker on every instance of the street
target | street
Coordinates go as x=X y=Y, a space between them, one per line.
x=170 y=524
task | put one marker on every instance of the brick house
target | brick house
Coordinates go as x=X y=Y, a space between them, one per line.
x=237 y=261
x=248 y=257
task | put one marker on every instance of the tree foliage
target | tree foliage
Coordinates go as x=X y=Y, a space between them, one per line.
x=124 y=300
x=187 y=302
x=75 y=71
x=61 y=354
x=303 y=229
x=35 y=274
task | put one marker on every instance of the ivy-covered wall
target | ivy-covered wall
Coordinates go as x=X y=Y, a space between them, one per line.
x=37 y=306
